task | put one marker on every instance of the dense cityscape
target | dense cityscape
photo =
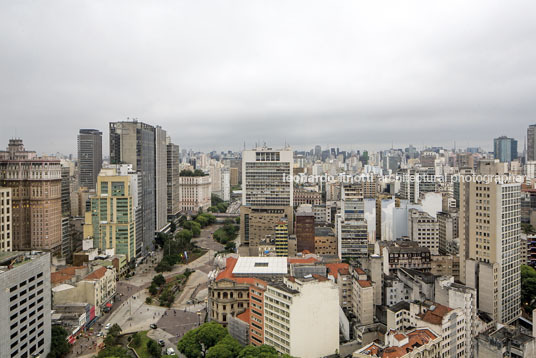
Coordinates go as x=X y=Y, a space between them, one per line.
x=155 y=250
x=267 y=179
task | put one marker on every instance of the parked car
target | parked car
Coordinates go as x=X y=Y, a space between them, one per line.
x=153 y=326
x=108 y=325
x=170 y=352
x=161 y=342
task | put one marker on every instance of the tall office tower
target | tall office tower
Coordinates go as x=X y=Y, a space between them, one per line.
x=173 y=173
x=89 y=157
x=267 y=195
x=505 y=149
x=161 y=178
x=25 y=308
x=134 y=143
x=531 y=142
x=490 y=246
x=5 y=219
x=265 y=177
x=36 y=197
x=111 y=221
x=281 y=238
x=318 y=152
x=352 y=228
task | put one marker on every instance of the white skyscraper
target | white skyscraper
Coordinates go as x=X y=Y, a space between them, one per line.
x=265 y=174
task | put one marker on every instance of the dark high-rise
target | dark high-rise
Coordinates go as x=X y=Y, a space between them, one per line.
x=89 y=157
x=134 y=143
x=531 y=142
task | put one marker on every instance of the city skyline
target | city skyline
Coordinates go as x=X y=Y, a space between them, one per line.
x=359 y=74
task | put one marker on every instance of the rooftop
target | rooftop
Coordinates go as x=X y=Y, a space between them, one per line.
x=260 y=266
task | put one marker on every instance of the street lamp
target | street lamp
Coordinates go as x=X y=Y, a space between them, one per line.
x=198 y=318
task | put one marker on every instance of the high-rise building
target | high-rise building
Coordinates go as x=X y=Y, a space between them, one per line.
x=505 y=149
x=89 y=157
x=134 y=143
x=25 y=309
x=36 y=197
x=490 y=221
x=160 y=178
x=267 y=195
x=266 y=177
x=5 y=219
x=531 y=142
x=111 y=221
x=173 y=173
x=352 y=228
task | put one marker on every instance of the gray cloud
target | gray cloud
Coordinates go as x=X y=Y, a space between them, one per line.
x=358 y=74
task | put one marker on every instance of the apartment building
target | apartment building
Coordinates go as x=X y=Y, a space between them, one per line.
x=302 y=316
x=25 y=308
x=424 y=229
x=490 y=246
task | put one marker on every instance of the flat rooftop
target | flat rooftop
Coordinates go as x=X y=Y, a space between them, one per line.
x=261 y=266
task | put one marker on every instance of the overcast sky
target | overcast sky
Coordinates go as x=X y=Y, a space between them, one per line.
x=357 y=74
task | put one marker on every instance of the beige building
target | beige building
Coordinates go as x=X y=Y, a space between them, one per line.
x=257 y=226
x=340 y=274
x=490 y=244
x=363 y=296
x=450 y=324
x=35 y=184
x=302 y=317
x=97 y=288
x=5 y=220
x=111 y=220
x=325 y=241
x=194 y=193
x=446 y=266
x=424 y=229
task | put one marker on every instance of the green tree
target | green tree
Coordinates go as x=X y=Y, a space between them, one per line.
x=215 y=200
x=197 y=342
x=136 y=339
x=153 y=349
x=159 y=280
x=59 y=347
x=263 y=351
x=528 y=288
x=527 y=228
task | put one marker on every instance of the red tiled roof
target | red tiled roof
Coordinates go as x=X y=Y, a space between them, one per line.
x=97 y=274
x=228 y=274
x=334 y=269
x=364 y=283
x=64 y=274
x=299 y=260
x=435 y=316
x=244 y=316
x=360 y=271
x=319 y=277
x=416 y=339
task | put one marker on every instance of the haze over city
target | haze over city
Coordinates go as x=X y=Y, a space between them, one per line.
x=355 y=74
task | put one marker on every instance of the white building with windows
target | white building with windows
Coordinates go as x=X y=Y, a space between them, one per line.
x=301 y=316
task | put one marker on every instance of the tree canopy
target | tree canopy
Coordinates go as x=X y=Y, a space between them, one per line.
x=59 y=347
